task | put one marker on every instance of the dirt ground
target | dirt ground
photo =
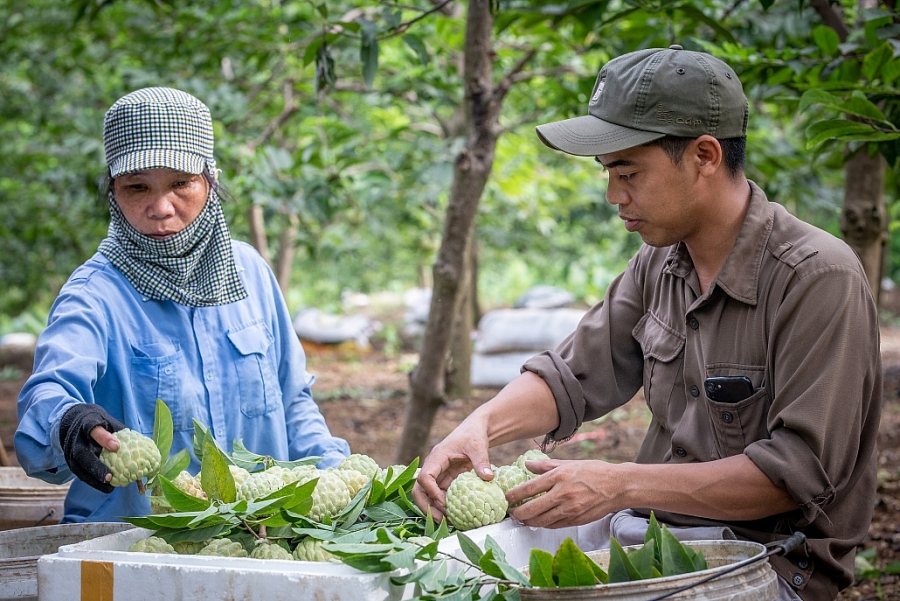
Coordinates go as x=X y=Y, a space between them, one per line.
x=363 y=397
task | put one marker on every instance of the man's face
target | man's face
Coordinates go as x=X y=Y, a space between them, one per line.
x=654 y=195
x=160 y=202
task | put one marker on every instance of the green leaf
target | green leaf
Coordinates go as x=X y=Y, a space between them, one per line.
x=491 y=544
x=644 y=559
x=654 y=533
x=861 y=106
x=163 y=429
x=510 y=573
x=175 y=464
x=418 y=46
x=817 y=96
x=200 y=434
x=890 y=72
x=469 y=548
x=620 y=567
x=540 y=568
x=876 y=59
x=675 y=559
x=843 y=129
x=571 y=566
x=892 y=568
x=368 y=51
x=827 y=40
x=215 y=476
x=180 y=500
x=489 y=566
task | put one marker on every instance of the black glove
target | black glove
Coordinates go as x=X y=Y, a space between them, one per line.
x=82 y=452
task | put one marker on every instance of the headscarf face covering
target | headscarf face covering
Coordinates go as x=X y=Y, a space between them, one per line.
x=165 y=128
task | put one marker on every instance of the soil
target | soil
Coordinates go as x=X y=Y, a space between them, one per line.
x=363 y=397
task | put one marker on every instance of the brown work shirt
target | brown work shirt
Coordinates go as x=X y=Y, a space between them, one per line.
x=790 y=309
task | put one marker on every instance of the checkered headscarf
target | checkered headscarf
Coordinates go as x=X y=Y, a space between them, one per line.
x=165 y=128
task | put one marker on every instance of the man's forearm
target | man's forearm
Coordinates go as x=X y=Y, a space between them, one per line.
x=726 y=489
x=523 y=409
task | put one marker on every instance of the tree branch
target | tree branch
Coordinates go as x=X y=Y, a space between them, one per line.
x=509 y=79
x=831 y=18
x=290 y=107
x=402 y=27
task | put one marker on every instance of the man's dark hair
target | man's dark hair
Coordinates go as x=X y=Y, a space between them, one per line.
x=734 y=150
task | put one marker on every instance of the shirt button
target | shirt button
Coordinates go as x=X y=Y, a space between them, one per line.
x=802 y=564
x=168 y=370
x=797 y=580
x=727 y=417
x=680 y=452
x=694 y=323
x=695 y=392
x=209 y=376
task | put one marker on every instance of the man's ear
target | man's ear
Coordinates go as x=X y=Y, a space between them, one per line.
x=708 y=155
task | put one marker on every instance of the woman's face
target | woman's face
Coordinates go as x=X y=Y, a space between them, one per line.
x=160 y=202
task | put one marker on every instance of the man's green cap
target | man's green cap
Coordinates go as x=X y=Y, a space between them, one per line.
x=645 y=95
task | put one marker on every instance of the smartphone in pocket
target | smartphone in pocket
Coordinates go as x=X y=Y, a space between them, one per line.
x=728 y=389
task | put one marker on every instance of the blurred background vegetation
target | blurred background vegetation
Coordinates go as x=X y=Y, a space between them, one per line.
x=338 y=124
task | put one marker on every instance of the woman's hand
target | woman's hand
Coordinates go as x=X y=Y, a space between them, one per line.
x=85 y=430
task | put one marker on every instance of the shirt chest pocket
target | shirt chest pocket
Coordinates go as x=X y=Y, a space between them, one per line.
x=663 y=350
x=157 y=372
x=255 y=364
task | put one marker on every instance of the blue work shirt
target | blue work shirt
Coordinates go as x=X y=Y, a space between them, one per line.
x=237 y=368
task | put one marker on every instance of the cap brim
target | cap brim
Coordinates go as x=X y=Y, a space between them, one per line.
x=140 y=160
x=589 y=136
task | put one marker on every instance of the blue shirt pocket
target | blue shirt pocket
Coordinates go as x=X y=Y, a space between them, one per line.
x=156 y=372
x=255 y=365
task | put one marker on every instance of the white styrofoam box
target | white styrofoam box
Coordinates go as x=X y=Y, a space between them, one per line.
x=167 y=577
x=517 y=540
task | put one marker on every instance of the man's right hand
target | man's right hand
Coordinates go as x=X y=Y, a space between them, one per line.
x=85 y=430
x=464 y=449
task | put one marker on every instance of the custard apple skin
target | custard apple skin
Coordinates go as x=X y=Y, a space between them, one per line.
x=189 y=484
x=151 y=544
x=472 y=502
x=187 y=547
x=311 y=549
x=509 y=477
x=136 y=458
x=239 y=475
x=353 y=479
x=258 y=485
x=361 y=463
x=330 y=496
x=532 y=455
x=224 y=547
x=265 y=549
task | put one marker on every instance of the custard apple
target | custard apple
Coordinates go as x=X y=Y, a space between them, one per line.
x=361 y=463
x=266 y=549
x=258 y=485
x=285 y=474
x=224 y=547
x=396 y=470
x=330 y=496
x=189 y=484
x=151 y=544
x=510 y=476
x=301 y=471
x=532 y=455
x=136 y=458
x=239 y=474
x=312 y=549
x=472 y=502
x=187 y=547
x=353 y=479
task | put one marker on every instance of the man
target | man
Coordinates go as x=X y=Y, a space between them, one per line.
x=727 y=286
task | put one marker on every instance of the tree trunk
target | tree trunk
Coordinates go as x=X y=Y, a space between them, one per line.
x=257 y=223
x=470 y=174
x=286 y=250
x=459 y=380
x=864 y=217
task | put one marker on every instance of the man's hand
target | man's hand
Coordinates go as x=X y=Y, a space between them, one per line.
x=464 y=449
x=84 y=431
x=574 y=493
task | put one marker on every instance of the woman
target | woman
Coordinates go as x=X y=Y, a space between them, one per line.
x=171 y=308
